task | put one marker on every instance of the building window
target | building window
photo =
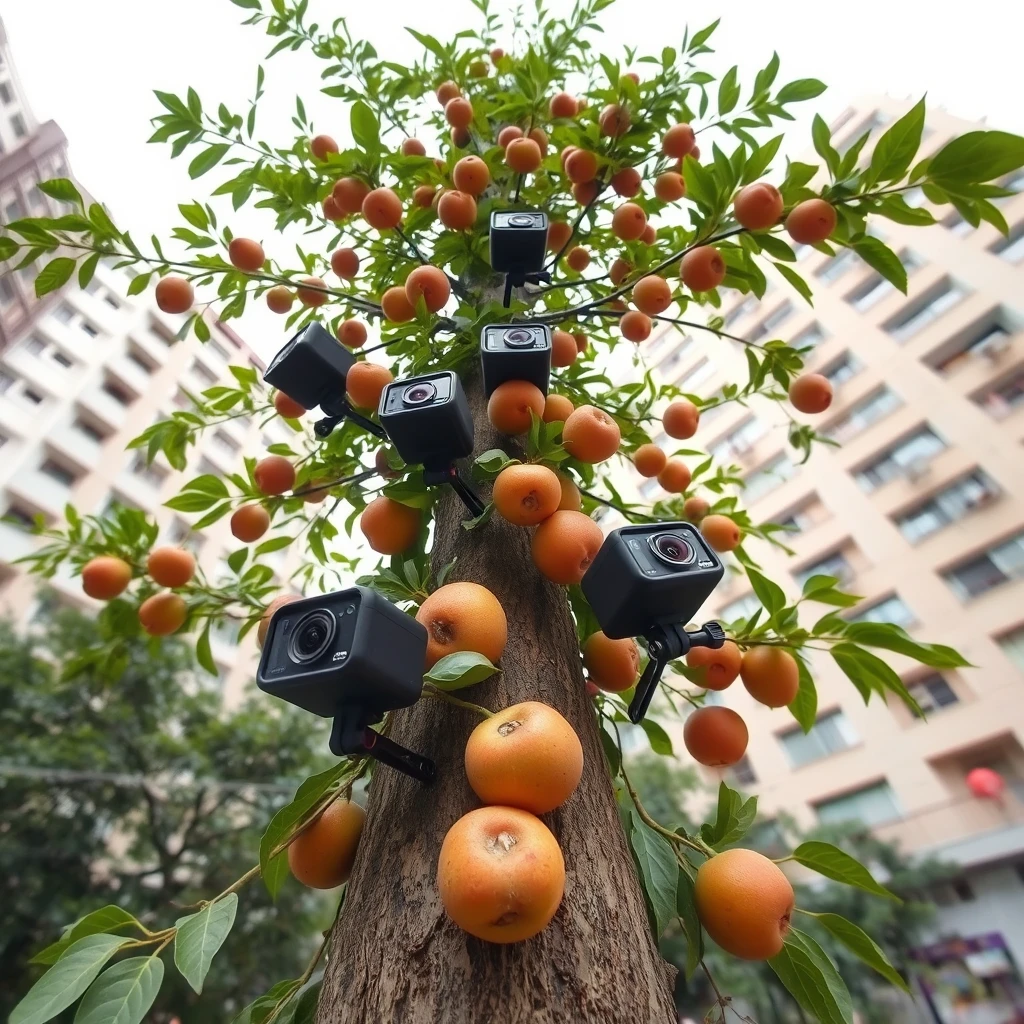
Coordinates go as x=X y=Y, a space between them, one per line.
x=89 y=431
x=999 y=565
x=741 y=608
x=872 y=123
x=1004 y=398
x=674 y=358
x=18 y=515
x=809 y=337
x=64 y=313
x=771 y=321
x=933 y=693
x=876 y=287
x=832 y=565
x=697 y=375
x=203 y=373
x=748 y=305
x=989 y=341
x=830 y=734
x=33 y=396
x=18 y=126
x=181 y=533
x=87 y=328
x=920 y=315
x=742 y=773
x=34 y=345
x=57 y=472
x=111 y=301
x=207 y=468
x=946 y=507
x=797 y=522
x=14 y=211
x=890 y=609
x=908 y=458
x=226 y=443
x=1012 y=645
x=6 y=382
x=3 y=440
x=956 y=224
x=840 y=371
x=217 y=347
x=7 y=292
x=1011 y=249
x=863 y=414
x=774 y=473
x=739 y=440
x=118 y=393
x=838 y=265
x=649 y=488
x=870 y=806
x=152 y=473
x=6 y=95
x=143 y=364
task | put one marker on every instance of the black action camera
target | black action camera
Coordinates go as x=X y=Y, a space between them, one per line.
x=311 y=368
x=650 y=581
x=351 y=656
x=430 y=424
x=515 y=352
x=519 y=239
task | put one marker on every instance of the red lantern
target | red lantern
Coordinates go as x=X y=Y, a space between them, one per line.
x=985 y=783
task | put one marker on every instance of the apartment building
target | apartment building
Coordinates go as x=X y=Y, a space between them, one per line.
x=921 y=511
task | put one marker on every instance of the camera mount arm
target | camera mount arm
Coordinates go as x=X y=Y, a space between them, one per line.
x=665 y=644
x=518 y=280
x=351 y=734
x=338 y=409
x=451 y=475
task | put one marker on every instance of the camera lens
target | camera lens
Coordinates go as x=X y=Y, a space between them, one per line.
x=521 y=220
x=519 y=338
x=417 y=394
x=311 y=637
x=671 y=549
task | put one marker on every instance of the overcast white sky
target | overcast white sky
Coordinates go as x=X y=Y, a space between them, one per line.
x=91 y=65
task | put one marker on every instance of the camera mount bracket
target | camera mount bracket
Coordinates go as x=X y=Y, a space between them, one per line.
x=665 y=644
x=518 y=280
x=450 y=475
x=338 y=409
x=351 y=734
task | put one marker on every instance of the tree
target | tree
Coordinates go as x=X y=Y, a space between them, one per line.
x=394 y=953
x=127 y=784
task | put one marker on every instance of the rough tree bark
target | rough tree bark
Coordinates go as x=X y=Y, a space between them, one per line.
x=395 y=956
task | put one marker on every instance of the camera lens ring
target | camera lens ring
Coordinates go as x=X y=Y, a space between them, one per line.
x=519 y=337
x=520 y=220
x=419 y=394
x=311 y=636
x=671 y=549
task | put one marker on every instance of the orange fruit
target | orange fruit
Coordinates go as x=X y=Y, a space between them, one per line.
x=582 y=342
x=471 y=175
x=652 y=295
x=396 y=306
x=457 y=210
x=570 y=500
x=650 y=235
x=612 y=665
x=669 y=187
x=380 y=461
x=563 y=105
x=352 y=333
x=508 y=133
x=578 y=259
x=678 y=141
x=702 y=268
x=389 y=526
x=345 y=263
x=649 y=460
x=430 y=282
x=581 y=166
x=274 y=475
x=523 y=156
x=526 y=495
x=331 y=209
x=567 y=151
x=105 y=577
x=313 y=294
x=758 y=206
x=423 y=196
x=510 y=405
x=382 y=209
x=564 y=545
x=496 y=54
x=322 y=854
x=715 y=670
x=628 y=222
x=268 y=614
x=525 y=756
x=557 y=409
x=463 y=617
x=500 y=874
x=620 y=270
x=349 y=193
x=541 y=138
x=322 y=146
x=810 y=393
x=246 y=254
x=171 y=567
x=721 y=532
x=715 y=736
x=478 y=69
x=745 y=903
x=675 y=477
x=174 y=294
x=811 y=221
x=279 y=299
x=413 y=147
x=695 y=508
x=626 y=182
x=635 y=326
x=591 y=435
x=614 y=120
x=563 y=348
x=447 y=91
x=287 y=407
x=771 y=676
x=249 y=523
x=680 y=419
x=460 y=137
x=458 y=112
x=559 y=234
x=163 y=613
x=366 y=382
x=585 y=192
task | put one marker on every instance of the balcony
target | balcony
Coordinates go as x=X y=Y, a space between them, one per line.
x=15 y=543
x=40 y=492
x=946 y=828
x=103 y=406
x=136 y=490
x=75 y=446
x=43 y=374
x=127 y=372
x=147 y=342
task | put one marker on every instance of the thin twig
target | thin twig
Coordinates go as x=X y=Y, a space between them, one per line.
x=430 y=690
x=619 y=508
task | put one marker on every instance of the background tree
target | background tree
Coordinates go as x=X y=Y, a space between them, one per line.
x=128 y=784
x=505 y=128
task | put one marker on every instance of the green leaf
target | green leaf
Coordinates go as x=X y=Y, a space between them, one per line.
x=492 y=461
x=237 y=559
x=733 y=819
x=657 y=737
x=728 y=91
x=877 y=255
x=8 y=247
x=812 y=979
x=54 y=275
x=122 y=994
x=365 y=128
x=88 y=269
x=891 y=637
x=199 y=937
x=804 y=706
x=801 y=89
x=207 y=160
x=62 y=189
x=895 y=150
x=700 y=185
x=659 y=871
x=823 y=590
x=274 y=544
x=768 y=592
x=858 y=942
x=203 y=653
x=686 y=908
x=830 y=861
x=63 y=983
x=702 y=36
x=190 y=501
x=870 y=673
x=760 y=159
x=107 y=919
x=249 y=5
x=798 y=283
x=823 y=144
x=459 y=670
x=977 y=156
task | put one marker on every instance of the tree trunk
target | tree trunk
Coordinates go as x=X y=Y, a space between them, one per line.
x=395 y=956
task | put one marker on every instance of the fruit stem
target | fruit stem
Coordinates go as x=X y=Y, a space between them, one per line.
x=430 y=690
x=672 y=837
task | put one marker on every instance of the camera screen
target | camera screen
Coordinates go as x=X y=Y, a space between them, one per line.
x=668 y=551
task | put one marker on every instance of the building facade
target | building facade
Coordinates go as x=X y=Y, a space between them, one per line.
x=921 y=511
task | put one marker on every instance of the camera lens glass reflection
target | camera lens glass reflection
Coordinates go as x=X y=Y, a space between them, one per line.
x=519 y=338
x=521 y=220
x=311 y=637
x=418 y=394
x=671 y=549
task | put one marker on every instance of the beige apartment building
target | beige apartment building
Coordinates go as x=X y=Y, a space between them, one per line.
x=921 y=511
x=82 y=372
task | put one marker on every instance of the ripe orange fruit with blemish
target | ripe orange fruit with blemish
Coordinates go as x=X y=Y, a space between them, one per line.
x=471 y=175
x=715 y=736
x=352 y=333
x=170 y=566
x=620 y=270
x=557 y=409
x=447 y=91
x=628 y=222
x=246 y=254
x=563 y=348
x=413 y=147
x=721 y=532
x=174 y=294
x=715 y=670
x=510 y=405
x=675 y=477
x=678 y=141
x=614 y=120
x=463 y=617
x=322 y=146
x=559 y=232
x=613 y=665
x=570 y=500
x=582 y=341
x=395 y=305
x=564 y=546
x=345 y=263
x=695 y=508
x=348 y=193
x=581 y=166
x=322 y=854
x=649 y=460
x=423 y=196
x=563 y=105
x=650 y=235
x=331 y=209
x=811 y=221
x=626 y=182
x=578 y=259
x=770 y=675
x=279 y=299
x=669 y=187
x=585 y=192
x=274 y=475
x=105 y=577
x=540 y=136
x=500 y=874
x=287 y=407
x=365 y=383
x=681 y=419
x=758 y=206
x=432 y=284
x=389 y=526
x=635 y=326
x=652 y=294
x=458 y=112
x=590 y=434
x=312 y=291
x=702 y=268
x=456 y=210
x=508 y=133
x=163 y=613
x=525 y=494
x=382 y=209
x=249 y=523
x=525 y=756
x=810 y=393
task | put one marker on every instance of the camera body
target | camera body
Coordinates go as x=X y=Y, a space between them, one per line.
x=519 y=240
x=311 y=368
x=657 y=574
x=349 y=649
x=515 y=352
x=428 y=419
